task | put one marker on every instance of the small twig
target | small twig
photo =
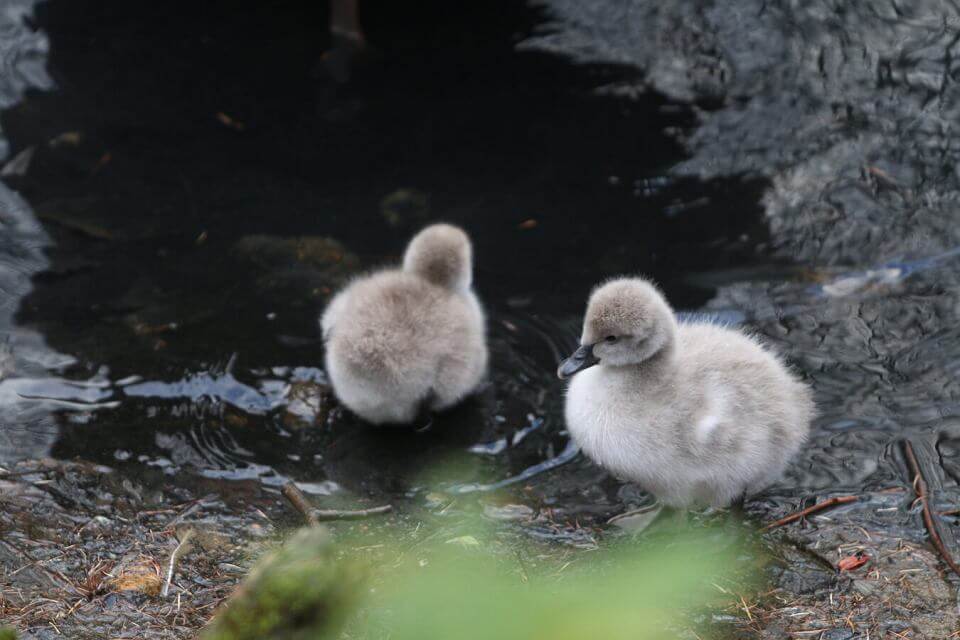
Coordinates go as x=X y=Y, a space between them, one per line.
x=190 y=508
x=923 y=495
x=95 y=577
x=820 y=506
x=172 y=565
x=315 y=516
x=292 y=493
x=746 y=608
x=7 y=474
x=325 y=515
x=634 y=512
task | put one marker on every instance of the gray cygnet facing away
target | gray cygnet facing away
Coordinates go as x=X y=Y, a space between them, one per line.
x=695 y=413
x=404 y=339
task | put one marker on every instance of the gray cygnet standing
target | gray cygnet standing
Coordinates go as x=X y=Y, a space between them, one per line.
x=695 y=413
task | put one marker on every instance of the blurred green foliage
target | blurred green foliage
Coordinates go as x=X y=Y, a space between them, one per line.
x=631 y=589
x=300 y=591
x=635 y=592
x=6 y=633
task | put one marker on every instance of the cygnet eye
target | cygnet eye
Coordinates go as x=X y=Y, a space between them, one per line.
x=611 y=338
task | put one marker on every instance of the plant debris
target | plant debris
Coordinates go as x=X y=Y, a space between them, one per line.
x=87 y=551
x=820 y=506
x=854 y=561
x=923 y=495
x=314 y=516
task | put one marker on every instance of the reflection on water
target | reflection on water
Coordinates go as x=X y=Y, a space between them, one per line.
x=219 y=388
x=28 y=393
x=282 y=422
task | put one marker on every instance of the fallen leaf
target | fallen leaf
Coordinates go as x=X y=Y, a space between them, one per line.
x=143 y=577
x=146 y=329
x=102 y=162
x=70 y=138
x=226 y=120
x=853 y=562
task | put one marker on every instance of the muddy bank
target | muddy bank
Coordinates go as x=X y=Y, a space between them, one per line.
x=85 y=551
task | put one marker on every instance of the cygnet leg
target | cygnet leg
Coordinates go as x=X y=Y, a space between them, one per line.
x=425 y=413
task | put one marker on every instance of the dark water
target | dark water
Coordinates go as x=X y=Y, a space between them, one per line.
x=197 y=190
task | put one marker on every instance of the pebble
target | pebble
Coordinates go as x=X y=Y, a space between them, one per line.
x=508 y=512
x=96 y=526
x=864 y=587
x=227 y=567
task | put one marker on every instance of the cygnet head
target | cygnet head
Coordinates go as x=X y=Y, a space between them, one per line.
x=441 y=254
x=628 y=322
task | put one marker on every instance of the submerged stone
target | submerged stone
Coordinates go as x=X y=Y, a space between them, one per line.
x=293 y=268
x=405 y=207
x=273 y=252
x=508 y=512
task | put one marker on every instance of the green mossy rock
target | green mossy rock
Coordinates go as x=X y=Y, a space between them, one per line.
x=298 y=592
x=6 y=633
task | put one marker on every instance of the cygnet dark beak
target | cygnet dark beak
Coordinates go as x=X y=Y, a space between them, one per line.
x=581 y=359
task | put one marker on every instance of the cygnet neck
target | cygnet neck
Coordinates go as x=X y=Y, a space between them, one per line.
x=658 y=364
x=440 y=261
x=662 y=359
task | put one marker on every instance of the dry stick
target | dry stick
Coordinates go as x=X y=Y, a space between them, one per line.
x=315 y=516
x=324 y=515
x=820 y=506
x=923 y=495
x=173 y=561
x=191 y=507
x=292 y=493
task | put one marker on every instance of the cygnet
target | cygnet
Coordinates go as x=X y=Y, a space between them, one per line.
x=696 y=414
x=400 y=341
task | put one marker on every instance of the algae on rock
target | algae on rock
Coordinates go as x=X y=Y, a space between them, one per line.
x=299 y=591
